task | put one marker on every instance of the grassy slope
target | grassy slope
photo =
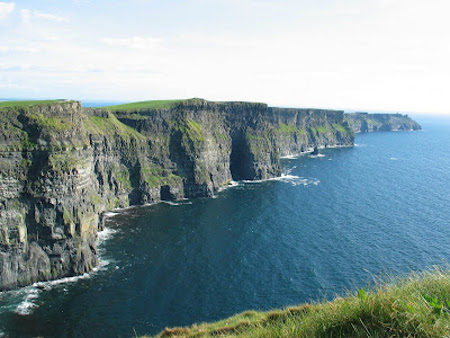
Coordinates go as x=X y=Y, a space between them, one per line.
x=163 y=104
x=27 y=103
x=414 y=306
x=154 y=104
x=111 y=126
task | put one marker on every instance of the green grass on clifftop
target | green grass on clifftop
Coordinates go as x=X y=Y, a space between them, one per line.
x=28 y=103
x=110 y=126
x=413 y=306
x=154 y=104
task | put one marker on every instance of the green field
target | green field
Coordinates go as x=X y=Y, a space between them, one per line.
x=154 y=104
x=27 y=103
x=414 y=306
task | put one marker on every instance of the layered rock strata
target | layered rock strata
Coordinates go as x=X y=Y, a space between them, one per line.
x=63 y=166
x=367 y=123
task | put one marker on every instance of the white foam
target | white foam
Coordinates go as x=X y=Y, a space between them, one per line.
x=102 y=263
x=32 y=292
x=105 y=234
x=65 y=280
x=290 y=179
x=25 y=308
x=393 y=159
x=296 y=181
x=110 y=214
x=287 y=171
x=310 y=150
x=176 y=203
x=297 y=155
x=279 y=178
x=119 y=210
x=317 y=156
x=229 y=185
x=290 y=156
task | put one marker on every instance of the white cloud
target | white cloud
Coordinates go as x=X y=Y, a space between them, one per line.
x=25 y=14
x=50 y=17
x=135 y=42
x=14 y=67
x=28 y=15
x=6 y=49
x=6 y=9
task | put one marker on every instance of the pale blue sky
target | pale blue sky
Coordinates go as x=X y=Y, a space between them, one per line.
x=378 y=55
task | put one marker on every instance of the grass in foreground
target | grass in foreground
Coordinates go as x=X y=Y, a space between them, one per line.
x=414 y=306
x=27 y=103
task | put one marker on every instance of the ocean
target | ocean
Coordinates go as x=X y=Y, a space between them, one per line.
x=331 y=224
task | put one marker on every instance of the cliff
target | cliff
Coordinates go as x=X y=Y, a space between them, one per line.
x=63 y=166
x=366 y=123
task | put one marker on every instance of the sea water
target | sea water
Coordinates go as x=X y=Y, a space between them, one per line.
x=330 y=224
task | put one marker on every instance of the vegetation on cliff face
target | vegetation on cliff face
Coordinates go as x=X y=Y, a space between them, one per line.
x=62 y=166
x=109 y=126
x=414 y=306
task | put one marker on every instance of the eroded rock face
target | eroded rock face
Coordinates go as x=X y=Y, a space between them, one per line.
x=367 y=123
x=62 y=166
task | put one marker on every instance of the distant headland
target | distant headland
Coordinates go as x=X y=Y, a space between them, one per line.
x=63 y=166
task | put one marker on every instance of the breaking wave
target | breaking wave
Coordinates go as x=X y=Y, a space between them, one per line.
x=31 y=293
x=177 y=203
x=317 y=156
x=105 y=234
x=290 y=179
x=229 y=185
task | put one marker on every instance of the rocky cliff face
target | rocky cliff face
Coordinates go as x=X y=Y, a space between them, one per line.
x=62 y=167
x=366 y=123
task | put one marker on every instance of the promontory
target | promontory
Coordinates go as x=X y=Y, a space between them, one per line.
x=62 y=166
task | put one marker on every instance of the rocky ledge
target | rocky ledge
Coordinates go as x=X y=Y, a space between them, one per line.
x=62 y=166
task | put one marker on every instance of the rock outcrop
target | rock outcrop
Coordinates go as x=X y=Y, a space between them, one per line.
x=367 y=123
x=63 y=166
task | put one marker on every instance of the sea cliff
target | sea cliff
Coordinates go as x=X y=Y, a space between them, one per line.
x=367 y=123
x=63 y=166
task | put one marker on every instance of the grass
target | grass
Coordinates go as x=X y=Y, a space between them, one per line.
x=289 y=129
x=340 y=128
x=165 y=104
x=30 y=103
x=154 y=104
x=414 y=306
x=156 y=176
x=111 y=126
x=192 y=129
x=123 y=177
x=63 y=163
x=58 y=124
x=320 y=130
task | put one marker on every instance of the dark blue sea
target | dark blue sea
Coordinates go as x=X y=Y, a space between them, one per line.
x=332 y=223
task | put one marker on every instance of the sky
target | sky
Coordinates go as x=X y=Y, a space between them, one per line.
x=386 y=55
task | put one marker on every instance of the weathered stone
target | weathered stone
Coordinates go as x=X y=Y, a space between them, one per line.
x=366 y=123
x=62 y=167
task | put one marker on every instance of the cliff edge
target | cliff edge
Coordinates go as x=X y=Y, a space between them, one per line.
x=62 y=166
x=367 y=123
